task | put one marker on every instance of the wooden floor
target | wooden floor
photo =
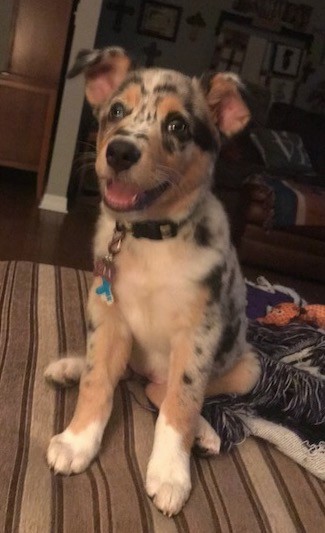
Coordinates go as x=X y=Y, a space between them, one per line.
x=31 y=234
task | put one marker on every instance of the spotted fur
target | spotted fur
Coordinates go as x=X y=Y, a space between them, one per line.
x=179 y=312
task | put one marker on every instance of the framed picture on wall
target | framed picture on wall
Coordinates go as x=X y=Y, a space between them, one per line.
x=282 y=90
x=230 y=50
x=287 y=60
x=159 y=19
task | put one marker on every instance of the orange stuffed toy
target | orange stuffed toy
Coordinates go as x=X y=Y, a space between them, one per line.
x=282 y=314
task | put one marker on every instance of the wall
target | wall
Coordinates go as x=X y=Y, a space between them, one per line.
x=6 y=15
x=190 y=57
x=194 y=57
x=68 y=125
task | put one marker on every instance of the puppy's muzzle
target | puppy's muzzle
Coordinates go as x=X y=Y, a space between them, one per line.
x=121 y=155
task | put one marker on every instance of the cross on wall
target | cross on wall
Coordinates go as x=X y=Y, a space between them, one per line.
x=121 y=9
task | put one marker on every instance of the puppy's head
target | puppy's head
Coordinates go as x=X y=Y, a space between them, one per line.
x=158 y=136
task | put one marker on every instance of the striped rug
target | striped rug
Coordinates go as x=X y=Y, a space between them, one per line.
x=253 y=489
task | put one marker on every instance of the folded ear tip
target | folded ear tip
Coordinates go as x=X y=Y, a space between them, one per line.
x=86 y=58
x=230 y=79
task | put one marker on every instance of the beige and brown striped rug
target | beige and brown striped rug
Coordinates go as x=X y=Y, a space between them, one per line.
x=253 y=489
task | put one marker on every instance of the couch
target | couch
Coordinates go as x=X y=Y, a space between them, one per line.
x=276 y=201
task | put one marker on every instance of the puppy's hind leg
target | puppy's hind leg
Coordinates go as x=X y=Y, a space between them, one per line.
x=240 y=379
x=66 y=371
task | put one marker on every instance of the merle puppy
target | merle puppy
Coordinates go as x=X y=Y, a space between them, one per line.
x=168 y=298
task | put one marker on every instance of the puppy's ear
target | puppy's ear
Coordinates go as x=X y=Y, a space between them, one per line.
x=228 y=109
x=104 y=71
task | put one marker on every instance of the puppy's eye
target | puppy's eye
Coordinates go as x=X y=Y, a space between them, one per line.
x=117 y=111
x=178 y=127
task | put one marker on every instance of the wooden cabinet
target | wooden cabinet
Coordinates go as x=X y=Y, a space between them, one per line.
x=29 y=86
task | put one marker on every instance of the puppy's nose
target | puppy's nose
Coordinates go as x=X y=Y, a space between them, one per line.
x=121 y=155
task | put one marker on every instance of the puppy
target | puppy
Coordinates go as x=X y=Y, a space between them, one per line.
x=168 y=298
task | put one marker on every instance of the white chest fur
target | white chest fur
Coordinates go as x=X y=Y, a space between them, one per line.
x=158 y=271
x=156 y=282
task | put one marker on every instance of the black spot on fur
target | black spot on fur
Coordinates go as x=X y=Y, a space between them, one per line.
x=228 y=338
x=202 y=234
x=231 y=312
x=204 y=137
x=123 y=131
x=187 y=379
x=214 y=282
x=142 y=136
x=91 y=326
x=189 y=106
x=165 y=87
x=231 y=281
x=198 y=350
x=168 y=143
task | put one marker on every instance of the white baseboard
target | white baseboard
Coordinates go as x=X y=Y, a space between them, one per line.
x=53 y=202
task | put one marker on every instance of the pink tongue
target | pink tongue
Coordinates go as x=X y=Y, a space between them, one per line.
x=121 y=194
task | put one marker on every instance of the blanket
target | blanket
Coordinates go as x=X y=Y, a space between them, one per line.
x=287 y=404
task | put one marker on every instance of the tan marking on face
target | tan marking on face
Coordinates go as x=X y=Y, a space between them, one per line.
x=131 y=96
x=169 y=104
x=180 y=197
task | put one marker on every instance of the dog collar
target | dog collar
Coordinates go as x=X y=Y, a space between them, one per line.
x=151 y=229
x=105 y=266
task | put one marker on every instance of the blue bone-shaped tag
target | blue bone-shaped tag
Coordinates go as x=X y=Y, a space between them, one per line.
x=105 y=291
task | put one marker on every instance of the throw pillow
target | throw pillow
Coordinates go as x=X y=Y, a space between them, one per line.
x=281 y=149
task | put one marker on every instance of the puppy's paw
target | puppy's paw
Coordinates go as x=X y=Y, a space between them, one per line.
x=65 y=371
x=169 y=485
x=71 y=453
x=207 y=441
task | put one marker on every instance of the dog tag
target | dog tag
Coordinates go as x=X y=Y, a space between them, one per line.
x=105 y=291
x=105 y=268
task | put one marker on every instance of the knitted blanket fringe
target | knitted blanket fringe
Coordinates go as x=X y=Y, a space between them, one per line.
x=287 y=405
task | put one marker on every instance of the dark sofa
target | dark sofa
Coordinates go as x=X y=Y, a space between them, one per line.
x=277 y=213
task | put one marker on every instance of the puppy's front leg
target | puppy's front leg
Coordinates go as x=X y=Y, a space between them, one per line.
x=168 y=475
x=108 y=350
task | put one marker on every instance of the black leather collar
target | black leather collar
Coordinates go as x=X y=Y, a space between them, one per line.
x=151 y=229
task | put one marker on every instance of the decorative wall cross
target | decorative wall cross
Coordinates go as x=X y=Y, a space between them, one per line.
x=152 y=51
x=121 y=9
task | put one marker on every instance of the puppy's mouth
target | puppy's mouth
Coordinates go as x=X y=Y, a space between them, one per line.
x=121 y=196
